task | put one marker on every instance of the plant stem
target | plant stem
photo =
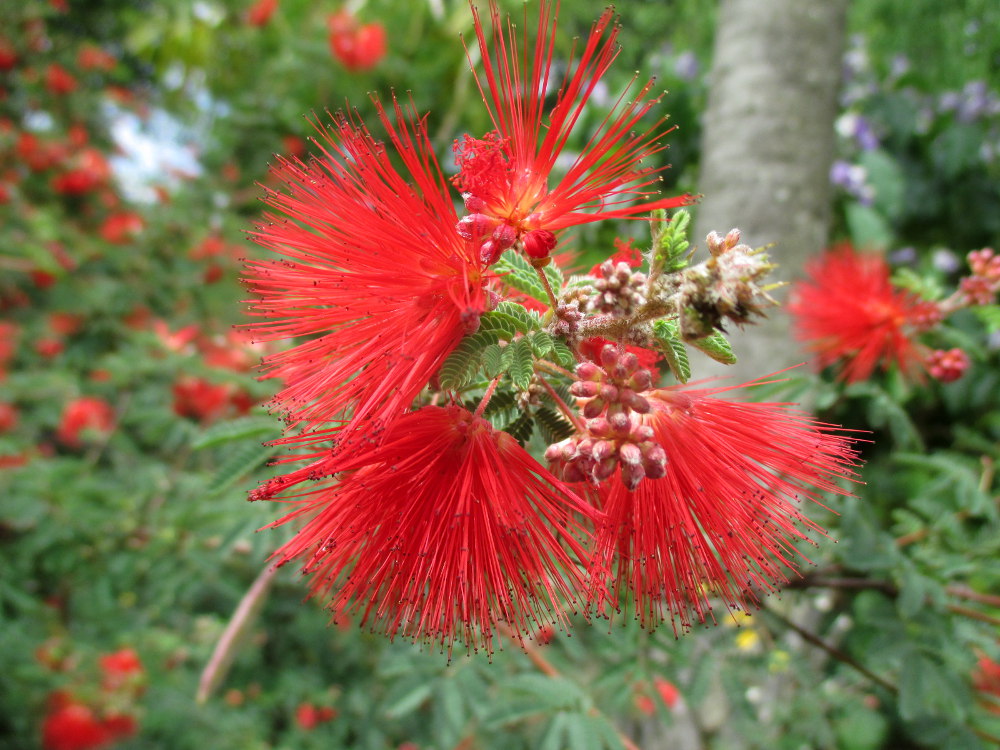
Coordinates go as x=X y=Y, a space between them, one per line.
x=833 y=651
x=553 y=302
x=244 y=616
x=567 y=412
x=487 y=396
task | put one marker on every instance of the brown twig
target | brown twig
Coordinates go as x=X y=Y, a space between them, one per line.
x=833 y=651
x=244 y=616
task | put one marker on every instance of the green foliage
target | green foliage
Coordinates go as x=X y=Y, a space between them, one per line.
x=667 y=334
x=519 y=274
x=670 y=246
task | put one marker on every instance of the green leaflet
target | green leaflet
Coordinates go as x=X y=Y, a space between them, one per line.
x=670 y=244
x=667 y=334
x=519 y=274
x=466 y=360
x=716 y=346
x=523 y=365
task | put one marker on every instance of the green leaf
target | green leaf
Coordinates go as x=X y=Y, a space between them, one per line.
x=235 y=430
x=463 y=363
x=667 y=335
x=553 y=426
x=519 y=274
x=670 y=243
x=886 y=177
x=990 y=315
x=563 y=354
x=523 y=367
x=923 y=286
x=926 y=688
x=521 y=428
x=241 y=461
x=716 y=346
x=515 y=315
x=868 y=227
x=541 y=343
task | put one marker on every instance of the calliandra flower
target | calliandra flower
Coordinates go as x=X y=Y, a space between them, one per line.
x=83 y=418
x=369 y=272
x=850 y=315
x=505 y=176
x=445 y=529
x=722 y=522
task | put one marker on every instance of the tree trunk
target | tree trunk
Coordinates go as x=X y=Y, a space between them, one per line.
x=767 y=146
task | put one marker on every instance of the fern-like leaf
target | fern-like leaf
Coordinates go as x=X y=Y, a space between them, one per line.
x=463 y=363
x=667 y=335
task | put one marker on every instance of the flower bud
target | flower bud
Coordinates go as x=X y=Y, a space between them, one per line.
x=641 y=380
x=632 y=474
x=603 y=449
x=504 y=235
x=476 y=226
x=593 y=408
x=635 y=402
x=585 y=388
x=605 y=468
x=473 y=204
x=589 y=371
x=629 y=453
x=609 y=356
x=538 y=243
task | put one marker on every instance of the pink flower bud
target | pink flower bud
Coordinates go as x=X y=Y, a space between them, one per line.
x=605 y=468
x=632 y=474
x=593 y=408
x=504 y=235
x=609 y=356
x=635 y=402
x=589 y=371
x=603 y=449
x=490 y=252
x=473 y=204
x=629 y=453
x=641 y=380
x=476 y=226
x=585 y=388
x=599 y=427
x=609 y=392
x=619 y=423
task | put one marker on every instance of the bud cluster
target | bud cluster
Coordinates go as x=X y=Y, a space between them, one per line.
x=497 y=235
x=947 y=365
x=618 y=291
x=611 y=402
x=727 y=286
x=982 y=286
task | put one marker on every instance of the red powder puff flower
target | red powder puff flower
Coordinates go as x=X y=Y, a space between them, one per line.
x=445 y=529
x=58 y=80
x=261 y=11
x=120 y=669
x=92 y=57
x=505 y=176
x=74 y=727
x=197 y=398
x=308 y=716
x=120 y=229
x=8 y=55
x=722 y=522
x=357 y=47
x=85 y=414
x=370 y=272
x=850 y=315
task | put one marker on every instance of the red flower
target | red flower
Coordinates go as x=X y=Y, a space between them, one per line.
x=74 y=727
x=200 y=399
x=8 y=416
x=947 y=365
x=370 y=271
x=261 y=11
x=721 y=523
x=443 y=530
x=58 y=80
x=308 y=716
x=505 y=176
x=986 y=680
x=120 y=669
x=120 y=229
x=92 y=57
x=850 y=315
x=357 y=47
x=85 y=414
x=8 y=55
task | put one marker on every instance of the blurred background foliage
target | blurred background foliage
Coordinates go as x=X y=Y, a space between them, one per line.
x=132 y=139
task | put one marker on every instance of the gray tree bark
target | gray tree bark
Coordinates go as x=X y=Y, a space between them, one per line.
x=767 y=147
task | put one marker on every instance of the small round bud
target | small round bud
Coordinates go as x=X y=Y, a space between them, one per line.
x=538 y=243
x=641 y=380
x=605 y=468
x=585 y=388
x=632 y=474
x=629 y=453
x=473 y=204
x=593 y=408
x=589 y=371
x=603 y=449
x=504 y=235
x=609 y=356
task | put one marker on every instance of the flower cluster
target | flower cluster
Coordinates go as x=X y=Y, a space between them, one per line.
x=855 y=317
x=87 y=717
x=429 y=348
